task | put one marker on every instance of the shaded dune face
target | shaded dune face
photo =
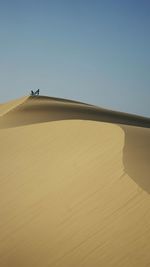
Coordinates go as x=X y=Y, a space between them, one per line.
x=136 y=155
x=74 y=189
x=44 y=109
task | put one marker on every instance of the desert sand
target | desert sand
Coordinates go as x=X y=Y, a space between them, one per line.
x=74 y=185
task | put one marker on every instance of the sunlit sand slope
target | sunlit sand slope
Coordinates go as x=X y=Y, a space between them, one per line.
x=73 y=191
x=6 y=108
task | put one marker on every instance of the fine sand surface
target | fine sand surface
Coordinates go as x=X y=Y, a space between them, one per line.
x=74 y=185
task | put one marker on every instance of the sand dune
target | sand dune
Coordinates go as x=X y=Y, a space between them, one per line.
x=75 y=185
x=31 y=110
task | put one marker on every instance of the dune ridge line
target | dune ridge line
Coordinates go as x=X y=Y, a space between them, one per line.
x=40 y=109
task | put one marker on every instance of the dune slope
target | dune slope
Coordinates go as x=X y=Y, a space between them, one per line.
x=74 y=185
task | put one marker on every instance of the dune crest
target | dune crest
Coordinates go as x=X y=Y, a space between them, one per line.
x=75 y=187
x=41 y=109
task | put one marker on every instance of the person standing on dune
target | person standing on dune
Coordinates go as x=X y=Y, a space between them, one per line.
x=35 y=93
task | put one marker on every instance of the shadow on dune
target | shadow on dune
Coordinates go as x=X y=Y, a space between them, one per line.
x=136 y=155
x=136 y=152
x=44 y=109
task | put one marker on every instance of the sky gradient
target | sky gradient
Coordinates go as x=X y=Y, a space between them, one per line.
x=88 y=50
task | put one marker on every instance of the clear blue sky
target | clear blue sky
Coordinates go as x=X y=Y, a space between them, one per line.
x=96 y=51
